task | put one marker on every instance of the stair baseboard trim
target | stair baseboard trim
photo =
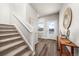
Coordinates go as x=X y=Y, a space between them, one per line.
x=23 y=37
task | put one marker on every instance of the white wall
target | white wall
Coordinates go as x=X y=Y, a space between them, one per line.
x=74 y=29
x=20 y=10
x=4 y=13
x=24 y=11
x=51 y=18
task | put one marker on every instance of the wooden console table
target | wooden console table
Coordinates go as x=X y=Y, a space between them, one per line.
x=66 y=42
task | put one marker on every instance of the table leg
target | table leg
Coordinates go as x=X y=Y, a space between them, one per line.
x=72 y=51
x=61 y=49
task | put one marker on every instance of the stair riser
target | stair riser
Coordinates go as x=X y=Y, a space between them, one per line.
x=9 y=42
x=2 y=32
x=9 y=36
x=7 y=27
x=10 y=49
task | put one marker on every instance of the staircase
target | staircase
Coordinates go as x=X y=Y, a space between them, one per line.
x=11 y=43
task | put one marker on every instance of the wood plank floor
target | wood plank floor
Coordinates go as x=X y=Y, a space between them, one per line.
x=47 y=45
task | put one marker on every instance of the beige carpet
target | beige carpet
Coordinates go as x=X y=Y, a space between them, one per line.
x=46 y=47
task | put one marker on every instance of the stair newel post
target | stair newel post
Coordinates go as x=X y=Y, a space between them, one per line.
x=32 y=41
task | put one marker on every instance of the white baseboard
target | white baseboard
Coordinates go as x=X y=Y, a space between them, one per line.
x=24 y=37
x=48 y=38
